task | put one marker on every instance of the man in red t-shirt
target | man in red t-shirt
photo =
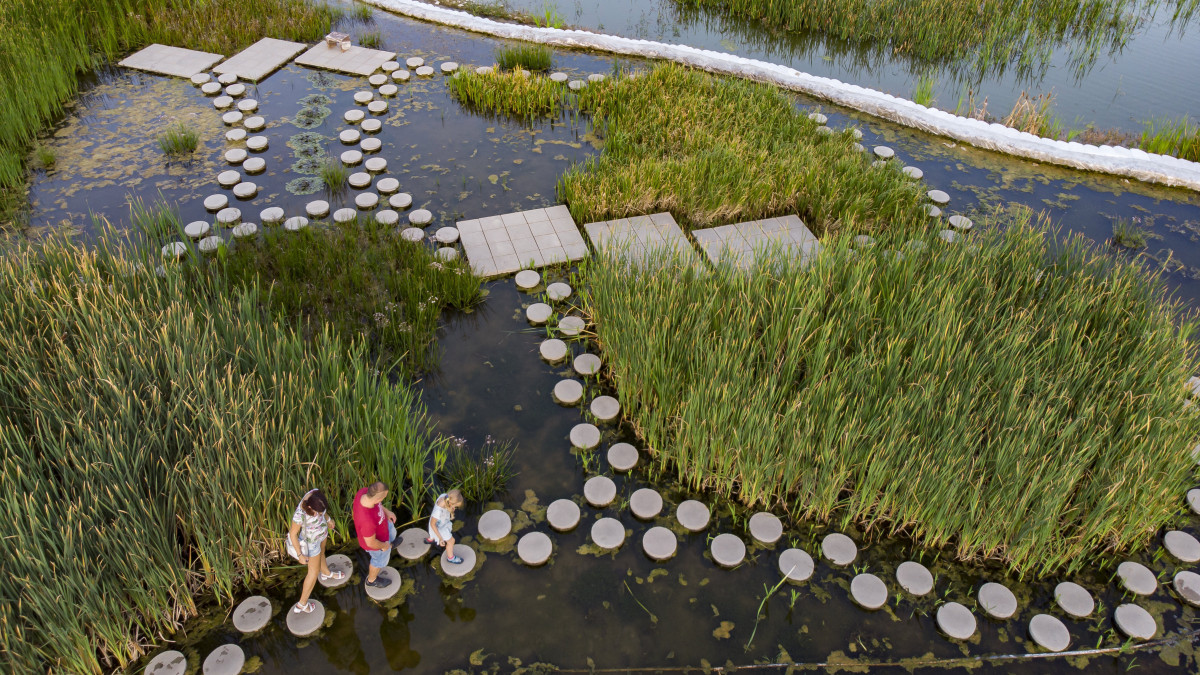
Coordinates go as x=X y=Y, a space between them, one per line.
x=376 y=529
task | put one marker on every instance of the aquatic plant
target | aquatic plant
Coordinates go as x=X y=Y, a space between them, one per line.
x=334 y=174
x=362 y=12
x=158 y=220
x=488 y=10
x=309 y=166
x=923 y=92
x=173 y=462
x=310 y=117
x=480 y=475
x=509 y=93
x=1179 y=138
x=46 y=156
x=1032 y=114
x=315 y=100
x=548 y=18
x=178 y=140
x=307 y=144
x=1020 y=398
x=1129 y=233
x=371 y=40
x=528 y=56
x=306 y=185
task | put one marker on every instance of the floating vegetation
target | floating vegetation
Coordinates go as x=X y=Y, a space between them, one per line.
x=308 y=144
x=321 y=79
x=1129 y=233
x=1003 y=399
x=306 y=185
x=316 y=100
x=528 y=56
x=178 y=140
x=311 y=117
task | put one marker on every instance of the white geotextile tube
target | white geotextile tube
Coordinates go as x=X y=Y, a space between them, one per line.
x=1118 y=161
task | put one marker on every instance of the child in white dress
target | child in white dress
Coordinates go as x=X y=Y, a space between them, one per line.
x=440 y=531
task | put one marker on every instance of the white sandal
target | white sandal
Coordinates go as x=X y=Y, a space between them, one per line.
x=337 y=575
x=306 y=609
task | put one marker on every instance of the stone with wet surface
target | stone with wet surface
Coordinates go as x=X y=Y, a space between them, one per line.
x=646 y=503
x=337 y=563
x=796 y=565
x=252 y=614
x=553 y=350
x=839 y=549
x=535 y=548
x=956 y=621
x=622 y=457
x=914 y=578
x=1187 y=585
x=693 y=515
x=1135 y=622
x=1182 y=545
x=728 y=550
x=170 y=662
x=599 y=491
x=412 y=544
x=224 y=660
x=997 y=600
x=387 y=592
x=659 y=543
x=1049 y=633
x=458 y=570
x=563 y=515
x=1137 y=578
x=585 y=436
x=538 y=313
x=608 y=533
x=766 y=528
x=495 y=525
x=868 y=591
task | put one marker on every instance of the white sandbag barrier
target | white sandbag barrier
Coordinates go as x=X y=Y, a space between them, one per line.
x=1117 y=161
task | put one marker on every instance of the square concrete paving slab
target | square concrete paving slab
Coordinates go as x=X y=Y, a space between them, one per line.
x=635 y=238
x=356 y=60
x=499 y=245
x=737 y=244
x=260 y=59
x=166 y=60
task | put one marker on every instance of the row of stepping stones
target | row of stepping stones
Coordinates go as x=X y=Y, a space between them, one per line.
x=557 y=76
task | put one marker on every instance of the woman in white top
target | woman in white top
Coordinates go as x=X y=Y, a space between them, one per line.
x=306 y=542
x=439 y=523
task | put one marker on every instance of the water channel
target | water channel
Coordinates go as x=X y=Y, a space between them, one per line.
x=584 y=610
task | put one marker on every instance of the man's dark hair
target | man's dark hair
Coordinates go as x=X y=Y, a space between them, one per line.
x=375 y=488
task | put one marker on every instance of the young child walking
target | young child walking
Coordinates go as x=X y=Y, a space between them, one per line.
x=439 y=523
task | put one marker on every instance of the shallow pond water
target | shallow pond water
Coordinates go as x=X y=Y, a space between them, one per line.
x=582 y=609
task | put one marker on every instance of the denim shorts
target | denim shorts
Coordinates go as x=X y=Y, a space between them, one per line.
x=380 y=558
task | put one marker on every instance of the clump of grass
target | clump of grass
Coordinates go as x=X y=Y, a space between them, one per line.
x=1019 y=399
x=480 y=475
x=178 y=140
x=1129 y=233
x=1179 y=138
x=968 y=106
x=46 y=157
x=334 y=174
x=510 y=93
x=923 y=92
x=371 y=40
x=488 y=10
x=362 y=12
x=530 y=57
x=1033 y=114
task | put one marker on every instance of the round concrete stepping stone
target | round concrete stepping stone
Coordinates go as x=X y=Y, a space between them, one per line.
x=210 y=88
x=169 y=662
x=608 y=533
x=200 y=78
x=766 y=527
x=938 y=197
x=878 y=164
x=558 y=291
x=818 y=118
x=366 y=200
x=245 y=230
x=295 y=223
x=257 y=143
x=692 y=515
x=956 y=621
x=247 y=105
x=351 y=157
x=376 y=80
x=354 y=116
x=254 y=165
x=522 y=72
x=461 y=569
x=349 y=136
x=415 y=62
x=401 y=200
x=232 y=117
x=1050 y=633
x=585 y=436
x=868 y=591
x=227 y=78
x=538 y=313
x=370 y=145
x=254 y=123
x=449 y=67
x=858 y=147
x=377 y=107
x=387 y=185
x=317 y=209
x=387 y=217
x=1135 y=622
x=587 y=364
x=495 y=525
x=359 y=180
x=446 y=253
x=997 y=600
x=483 y=70
x=558 y=77
x=914 y=578
x=599 y=491
x=271 y=216
x=796 y=564
x=412 y=234
x=344 y=215
x=622 y=457
x=1074 y=599
x=884 y=152
x=576 y=85
x=553 y=350
x=595 y=77
x=1193 y=500
x=948 y=236
x=337 y=563
x=1137 y=578
x=562 y=514
x=645 y=503
x=216 y=202
x=222 y=102
x=605 y=408
x=535 y=548
x=527 y=279
x=400 y=76
x=363 y=97
x=728 y=550
x=210 y=244
x=913 y=172
x=1182 y=545
x=960 y=223
x=424 y=71
x=412 y=544
x=839 y=549
x=387 y=592
x=229 y=216
x=389 y=66
x=570 y=326
x=245 y=190
x=1187 y=585
x=224 y=660
x=446 y=235
x=420 y=217
x=389 y=90
x=659 y=543
x=864 y=241
x=197 y=228
x=933 y=211
x=235 y=90
x=252 y=614
x=235 y=135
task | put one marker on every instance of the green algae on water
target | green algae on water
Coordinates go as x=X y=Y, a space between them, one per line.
x=306 y=185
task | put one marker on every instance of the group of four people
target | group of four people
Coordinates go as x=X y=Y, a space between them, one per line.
x=375 y=526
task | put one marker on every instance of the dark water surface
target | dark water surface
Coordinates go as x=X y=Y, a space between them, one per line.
x=582 y=609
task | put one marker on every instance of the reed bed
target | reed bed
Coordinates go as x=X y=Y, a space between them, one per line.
x=1180 y=138
x=157 y=432
x=178 y=140
x=1020 y=399
x=510 y=93
x=528 y=56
